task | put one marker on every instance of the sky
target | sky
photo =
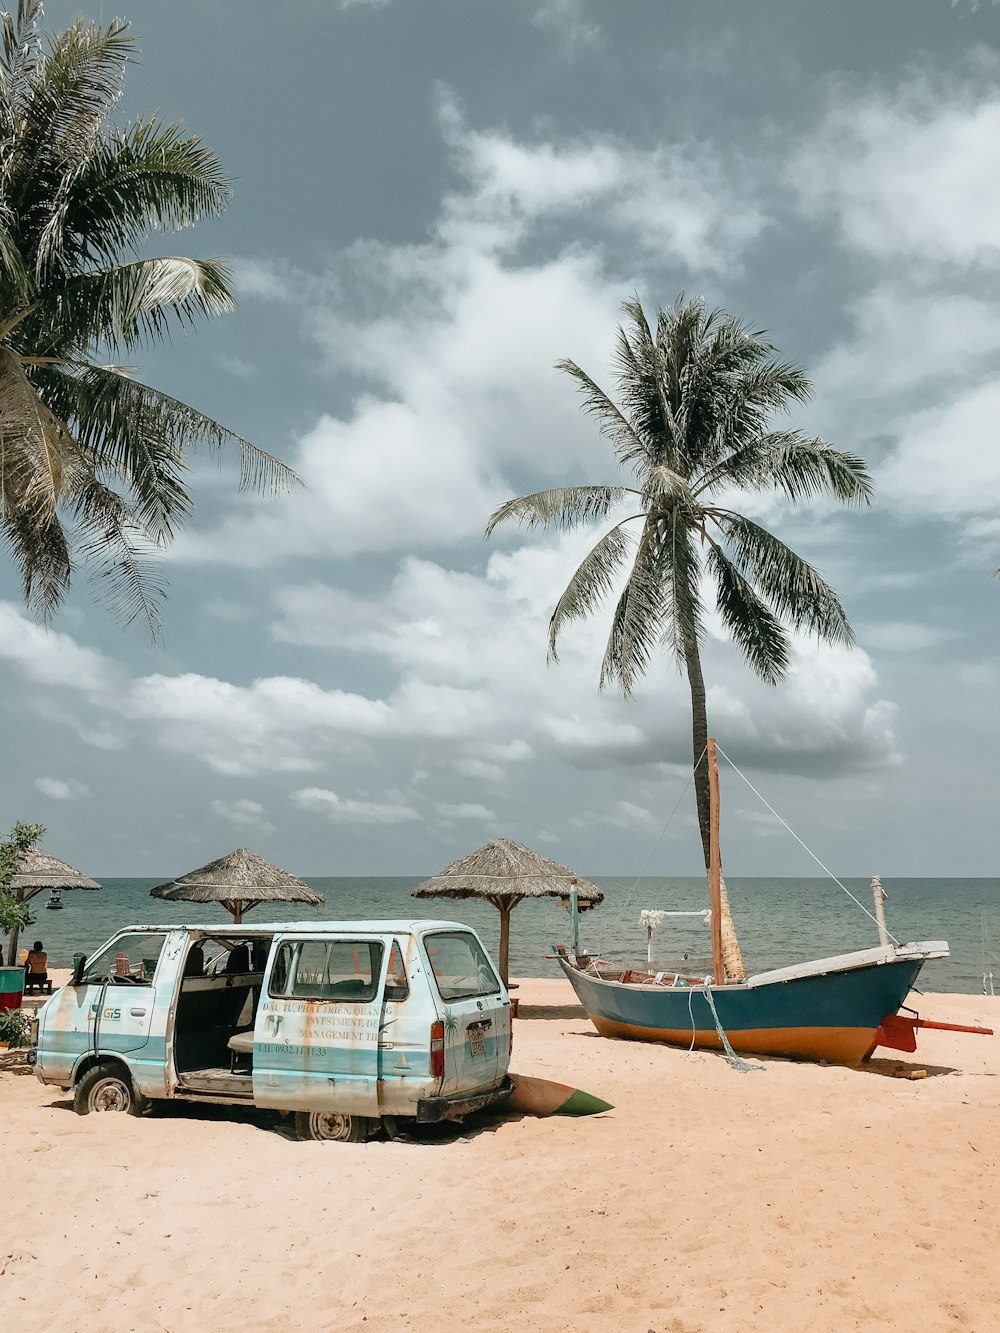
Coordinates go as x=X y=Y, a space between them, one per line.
x=434 y=201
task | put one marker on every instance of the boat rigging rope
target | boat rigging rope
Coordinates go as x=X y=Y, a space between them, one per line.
x=737 y=1061
x=802 y=844
x=631 y=893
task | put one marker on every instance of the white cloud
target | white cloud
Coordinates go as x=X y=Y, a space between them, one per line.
x=465 y=810
x=49 y=657
x=244 y=813
x=346 y=810
x=455 y=339
x=902 y=636
x=568 y=20
x=59 y=789
x=910 y=174
x=626 y=814
x=946 y=463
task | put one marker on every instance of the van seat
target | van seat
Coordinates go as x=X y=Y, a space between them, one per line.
x=242 y=1042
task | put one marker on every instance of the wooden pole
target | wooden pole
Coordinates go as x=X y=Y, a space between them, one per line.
x=715 y=867
x=879 y=895
x=505 y=910
x=22 y=897
x=238 y=912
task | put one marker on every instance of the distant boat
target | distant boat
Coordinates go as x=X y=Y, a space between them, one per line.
x=55 y=901
x=835 y=1009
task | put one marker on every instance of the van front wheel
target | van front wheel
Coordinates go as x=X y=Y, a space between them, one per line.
x=325 y=1126
x=107 y=1087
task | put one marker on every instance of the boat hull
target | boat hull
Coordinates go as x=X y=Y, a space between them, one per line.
x=832 y=1016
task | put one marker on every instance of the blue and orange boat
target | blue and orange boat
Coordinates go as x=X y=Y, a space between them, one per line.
x=835 y=1009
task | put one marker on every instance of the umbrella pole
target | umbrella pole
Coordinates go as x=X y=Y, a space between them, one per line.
x=505 y=910
x=16 y=930
x=238 y=912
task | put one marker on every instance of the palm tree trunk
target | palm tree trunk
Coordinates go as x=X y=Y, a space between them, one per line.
x=731 y=956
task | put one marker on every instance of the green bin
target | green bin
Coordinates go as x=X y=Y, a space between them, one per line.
x=11 y=987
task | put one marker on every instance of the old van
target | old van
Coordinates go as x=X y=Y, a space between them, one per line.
x=343 y=1024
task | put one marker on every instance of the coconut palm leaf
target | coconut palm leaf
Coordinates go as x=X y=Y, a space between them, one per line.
x=798 y=592
x=755 y=630
x=79 y=199
x=563 y=508
x=592 y=582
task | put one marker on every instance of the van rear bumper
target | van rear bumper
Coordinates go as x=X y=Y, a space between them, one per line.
x=432 y=1109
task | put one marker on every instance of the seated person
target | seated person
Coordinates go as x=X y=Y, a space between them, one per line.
x=194 y=963
x=238 y=960
x=36 y=966
x=37 y=963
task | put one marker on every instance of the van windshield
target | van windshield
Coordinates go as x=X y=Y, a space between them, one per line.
x=461 y=966
x=128 y=960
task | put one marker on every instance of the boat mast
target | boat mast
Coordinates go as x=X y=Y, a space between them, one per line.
x=715 y=867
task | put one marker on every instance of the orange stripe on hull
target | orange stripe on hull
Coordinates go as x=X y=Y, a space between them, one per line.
x=844 y=1046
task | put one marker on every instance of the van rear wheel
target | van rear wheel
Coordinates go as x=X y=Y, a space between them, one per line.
x=107 y=1087
x=325 y=1126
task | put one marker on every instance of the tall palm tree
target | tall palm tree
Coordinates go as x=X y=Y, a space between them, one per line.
x=92 y=461
x=695 y=426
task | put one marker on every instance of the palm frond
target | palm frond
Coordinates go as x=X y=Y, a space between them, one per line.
x=754 y=628
x=611 y=422
x=152 y=177
x=125 y=567
x=108 y=401
x=798 y=593
x=562 y=508
x=637 y=621
x=592 y=582
x=128 y=304
x=797 y=465
x=39 y=549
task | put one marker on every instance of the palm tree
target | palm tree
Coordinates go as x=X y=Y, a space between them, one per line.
x=92 y=461
x=694 y=426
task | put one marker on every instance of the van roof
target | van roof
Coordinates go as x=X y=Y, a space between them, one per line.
x=399 y=926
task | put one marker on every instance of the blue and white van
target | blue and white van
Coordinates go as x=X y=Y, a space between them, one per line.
x=345 y=1024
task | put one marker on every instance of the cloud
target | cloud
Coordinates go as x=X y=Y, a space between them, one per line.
x=58 y=789
x=465 y=810
x=451 y=342
x=569 y=22
x=910 y=174
x=48 y=657
x=946 y=463
x=244 y=813
x=345 y=810
x=901 y=636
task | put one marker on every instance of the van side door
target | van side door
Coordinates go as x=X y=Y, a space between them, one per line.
x=475 y=1007
x=316 y=1034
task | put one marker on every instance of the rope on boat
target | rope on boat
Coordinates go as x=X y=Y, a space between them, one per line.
x=737 y=1061
x=652 y=851
x=802 y=844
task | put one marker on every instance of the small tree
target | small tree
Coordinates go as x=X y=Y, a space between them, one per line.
x=15 y=915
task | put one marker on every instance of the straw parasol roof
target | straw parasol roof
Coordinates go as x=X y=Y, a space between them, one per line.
x=505 y=873
x=240 y=881
x=38 y=870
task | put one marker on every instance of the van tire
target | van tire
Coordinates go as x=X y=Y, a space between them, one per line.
x=107 y=1087
x=325 y=1126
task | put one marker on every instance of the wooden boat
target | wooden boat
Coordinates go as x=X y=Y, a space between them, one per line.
x=835 y=1009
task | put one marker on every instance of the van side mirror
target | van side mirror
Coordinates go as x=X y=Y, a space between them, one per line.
x=78 y=971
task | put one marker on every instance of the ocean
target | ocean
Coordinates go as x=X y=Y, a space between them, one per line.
x=779 y=921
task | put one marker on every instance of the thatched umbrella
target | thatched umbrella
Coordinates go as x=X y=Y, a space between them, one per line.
x=37 y=871
x=240 y=881
x=504 y=873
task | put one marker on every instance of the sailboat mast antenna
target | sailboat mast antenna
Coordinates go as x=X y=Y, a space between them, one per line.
x=715 y=867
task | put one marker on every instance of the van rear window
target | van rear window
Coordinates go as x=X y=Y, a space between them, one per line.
x=461 y=966
x=344 y=970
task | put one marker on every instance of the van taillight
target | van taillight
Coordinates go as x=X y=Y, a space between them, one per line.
x=437 y=1050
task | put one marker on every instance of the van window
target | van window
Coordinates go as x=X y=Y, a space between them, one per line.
x=461 y=966
x=344 y=970
x=397 y=988
x=131 y=959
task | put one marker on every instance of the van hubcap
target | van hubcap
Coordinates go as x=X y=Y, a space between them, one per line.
x=110 y=1094
x=329 y=1126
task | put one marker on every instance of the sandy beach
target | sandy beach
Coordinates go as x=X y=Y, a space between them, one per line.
x=804 y=1197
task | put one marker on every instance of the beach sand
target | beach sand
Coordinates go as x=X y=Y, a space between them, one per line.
x=805 y=1198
